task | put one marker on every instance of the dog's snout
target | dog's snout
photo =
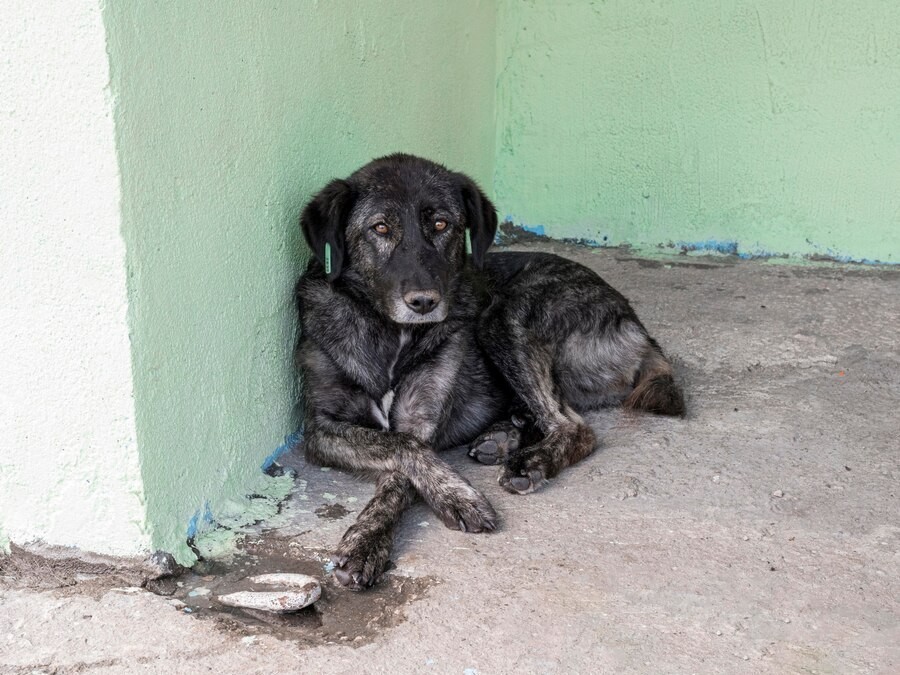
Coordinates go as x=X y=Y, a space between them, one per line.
x=422 y=302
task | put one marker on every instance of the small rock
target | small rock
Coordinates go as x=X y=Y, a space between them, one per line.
x=199 y=592
x=161 y=564
x=716 y=478
x=328 y=495
x=778 y=493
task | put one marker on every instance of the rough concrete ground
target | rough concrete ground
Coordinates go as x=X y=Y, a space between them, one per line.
x=759 y=535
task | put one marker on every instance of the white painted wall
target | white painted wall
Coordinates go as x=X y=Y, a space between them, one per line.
x=69 y=469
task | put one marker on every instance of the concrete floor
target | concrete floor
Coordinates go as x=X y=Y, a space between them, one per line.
x=759 y=535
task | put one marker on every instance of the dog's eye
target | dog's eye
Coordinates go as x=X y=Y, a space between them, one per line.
x=381 y=228
x=440 y=225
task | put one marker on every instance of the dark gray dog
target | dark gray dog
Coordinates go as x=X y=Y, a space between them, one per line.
x=410 y=345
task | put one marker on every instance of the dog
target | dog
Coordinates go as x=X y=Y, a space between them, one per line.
x=410 y=344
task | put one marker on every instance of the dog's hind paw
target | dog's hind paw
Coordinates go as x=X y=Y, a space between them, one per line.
x=521 y=484
x=524 y=473
x=495 y=444
x=361 y=558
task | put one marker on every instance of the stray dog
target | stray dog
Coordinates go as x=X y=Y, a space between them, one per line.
x=411 y=344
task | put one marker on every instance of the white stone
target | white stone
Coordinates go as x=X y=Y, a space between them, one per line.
x=297 y=591
x=279 y=602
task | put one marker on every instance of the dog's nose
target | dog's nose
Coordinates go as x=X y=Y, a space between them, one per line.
x=422 y=302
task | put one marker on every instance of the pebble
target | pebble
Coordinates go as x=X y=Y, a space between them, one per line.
x=778 y=493
x=199 y=592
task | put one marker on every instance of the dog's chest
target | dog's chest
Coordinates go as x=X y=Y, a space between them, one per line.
x=381 y=409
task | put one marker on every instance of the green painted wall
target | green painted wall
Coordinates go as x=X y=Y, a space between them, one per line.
x=770 y=126
x=228 y=116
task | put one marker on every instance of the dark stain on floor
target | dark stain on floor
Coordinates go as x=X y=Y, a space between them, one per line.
x=332 y=511
x=338 y=617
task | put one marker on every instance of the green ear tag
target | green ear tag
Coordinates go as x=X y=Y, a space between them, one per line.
x=327 y=258
x=468 y=241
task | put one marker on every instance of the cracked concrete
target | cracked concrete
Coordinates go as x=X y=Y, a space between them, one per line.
x=758 y=535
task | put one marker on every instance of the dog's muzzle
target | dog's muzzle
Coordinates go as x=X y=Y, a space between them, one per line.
x=419 y=307
x=422 y=302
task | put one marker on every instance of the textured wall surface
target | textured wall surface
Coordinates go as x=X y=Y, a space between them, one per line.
x=229 y=115
x=69 y=470
x=742 y=126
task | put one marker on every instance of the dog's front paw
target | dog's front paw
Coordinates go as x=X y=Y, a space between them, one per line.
x=462 y=507
x=495 y=444
x=362 y=557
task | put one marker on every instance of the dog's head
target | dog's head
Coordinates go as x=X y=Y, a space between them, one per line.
x=398 y=227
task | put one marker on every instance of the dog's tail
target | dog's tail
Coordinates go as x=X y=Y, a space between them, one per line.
x=655 y=390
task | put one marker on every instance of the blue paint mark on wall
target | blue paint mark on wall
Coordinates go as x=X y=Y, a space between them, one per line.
x=202 y=518
x=290 y=442
x=535 y=229
x=720 y=246
x=725 y=247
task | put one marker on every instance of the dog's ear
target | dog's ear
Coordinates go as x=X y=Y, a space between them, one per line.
x=323 y=222
x=481 y=219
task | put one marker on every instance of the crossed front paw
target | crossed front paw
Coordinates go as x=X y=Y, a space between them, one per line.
x=463 y=508
x=362 y=557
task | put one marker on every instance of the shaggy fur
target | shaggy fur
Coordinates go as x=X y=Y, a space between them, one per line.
x=410 y=345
